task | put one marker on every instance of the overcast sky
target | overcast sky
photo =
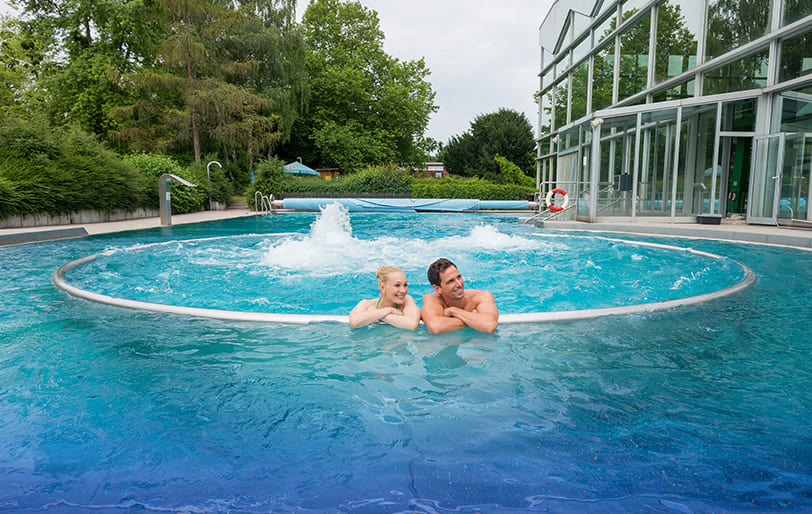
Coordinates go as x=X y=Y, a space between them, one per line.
x=483 y=55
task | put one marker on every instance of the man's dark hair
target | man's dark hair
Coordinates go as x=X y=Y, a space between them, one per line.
x=436 y=268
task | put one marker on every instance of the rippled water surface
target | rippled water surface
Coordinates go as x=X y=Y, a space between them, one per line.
x=328 y=267
x=696 y=409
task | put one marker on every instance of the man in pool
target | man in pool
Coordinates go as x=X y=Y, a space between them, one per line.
x=451 y=307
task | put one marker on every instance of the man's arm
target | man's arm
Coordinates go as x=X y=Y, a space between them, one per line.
x=486 y=315
x=434 y=317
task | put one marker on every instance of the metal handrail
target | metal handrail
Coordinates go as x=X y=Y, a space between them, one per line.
x=265 y=203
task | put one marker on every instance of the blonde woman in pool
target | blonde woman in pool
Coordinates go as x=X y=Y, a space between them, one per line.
x=393 y=306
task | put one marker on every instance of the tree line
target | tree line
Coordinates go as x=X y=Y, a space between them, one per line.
x=241 y=82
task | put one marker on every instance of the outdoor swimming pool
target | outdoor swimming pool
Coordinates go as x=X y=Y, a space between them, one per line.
x=697 y=408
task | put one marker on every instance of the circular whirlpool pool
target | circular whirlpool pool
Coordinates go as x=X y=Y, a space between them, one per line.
x=320 y=272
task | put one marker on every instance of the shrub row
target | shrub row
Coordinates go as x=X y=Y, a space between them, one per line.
x=384 y=181
x=57 y=170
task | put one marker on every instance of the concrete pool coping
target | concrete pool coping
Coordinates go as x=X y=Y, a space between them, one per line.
x=775 y=235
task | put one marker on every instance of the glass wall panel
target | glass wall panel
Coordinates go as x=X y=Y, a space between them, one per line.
x=580 y=23
x=796 y=183
x=604 y=29
x=696 y=175
x=794 y=10
x=606 y=4
x=739 y=116
x=732 y=23
x=603 y=78
x=762 y=203
x=633 y=6
x=561 y=102
x=735 y=153
x=655 y=176
x=678 y=92
x=547 y=57
x=546 y=112
x=634 y=45
x=796 y=56
x=562 y=65
x=678 y=23
x=581 y=50
x=616 y=166
x=547 y=79
x=585 y=176
x=580 y=84
x=747 y=73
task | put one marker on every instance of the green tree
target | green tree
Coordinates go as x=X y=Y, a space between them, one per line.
x=505 y=132
x=214 y=85
x=87 y=46
x=365 y=107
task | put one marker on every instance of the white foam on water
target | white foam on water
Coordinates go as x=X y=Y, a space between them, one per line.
x=330 y=248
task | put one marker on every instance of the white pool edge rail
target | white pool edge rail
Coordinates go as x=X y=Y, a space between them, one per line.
x=58 y=279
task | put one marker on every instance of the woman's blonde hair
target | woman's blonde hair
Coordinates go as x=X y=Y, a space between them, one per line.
x=383 y=271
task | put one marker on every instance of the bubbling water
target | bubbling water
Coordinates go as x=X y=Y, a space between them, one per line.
x=328 y=268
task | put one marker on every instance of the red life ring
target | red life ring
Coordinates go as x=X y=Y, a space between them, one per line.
x=550 y=200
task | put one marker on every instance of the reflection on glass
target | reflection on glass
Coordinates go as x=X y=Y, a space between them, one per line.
x=678 y=92
x=547 y=79
x=762 y=203
x=794 y=10
x=747 y=73
x=581 y=50
x=732 y=23
x=677 y=27
x=606 y=4
x=544 y=146
x=546 y=112
x=796 y=181
x=562 y=65
x=633 y=6
x=561 y=103
x=546 y=57
x=795 y=191
x=605 y=28
x=634 y=45
x=618 y=138
x=603 y=78
x=796 y=56
x=579 y=87
x=739 y=116
x=656 y=169
x=580 y=23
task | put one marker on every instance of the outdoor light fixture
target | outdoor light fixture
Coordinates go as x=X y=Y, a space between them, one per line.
x=596 y=122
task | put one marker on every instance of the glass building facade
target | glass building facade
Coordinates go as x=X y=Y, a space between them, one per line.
x=678 y=109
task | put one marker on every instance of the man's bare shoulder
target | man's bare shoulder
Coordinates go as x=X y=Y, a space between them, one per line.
x=433 y=299
x=478 y=296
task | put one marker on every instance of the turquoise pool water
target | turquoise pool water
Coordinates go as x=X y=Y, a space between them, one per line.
x=326 y=269
x=703 y=408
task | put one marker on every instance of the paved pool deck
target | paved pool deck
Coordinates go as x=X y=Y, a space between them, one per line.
x=786 y=236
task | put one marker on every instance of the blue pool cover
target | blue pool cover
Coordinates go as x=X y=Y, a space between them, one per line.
x=403 y=204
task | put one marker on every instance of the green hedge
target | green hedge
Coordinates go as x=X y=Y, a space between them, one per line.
x=452 y=187
x=47 y=169
x=384 y=181
x=184 y=198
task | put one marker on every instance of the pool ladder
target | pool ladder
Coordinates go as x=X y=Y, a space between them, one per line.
x=263 y=204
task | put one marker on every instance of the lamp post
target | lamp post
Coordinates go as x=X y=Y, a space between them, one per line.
x=208 y=175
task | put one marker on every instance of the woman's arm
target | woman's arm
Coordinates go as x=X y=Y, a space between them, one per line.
x=363 y=314
x=408 y=318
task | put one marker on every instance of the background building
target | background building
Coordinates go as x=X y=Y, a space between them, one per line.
x=678 y=109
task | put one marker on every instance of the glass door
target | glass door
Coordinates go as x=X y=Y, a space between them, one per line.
x=766 y=178
x=796 y=189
